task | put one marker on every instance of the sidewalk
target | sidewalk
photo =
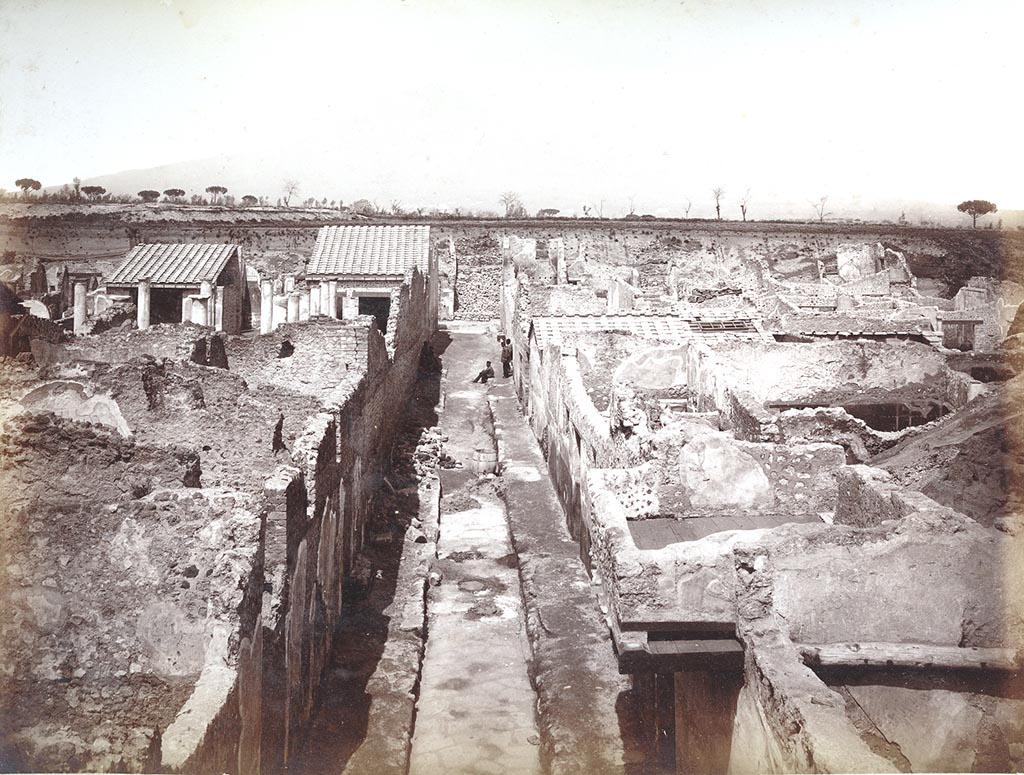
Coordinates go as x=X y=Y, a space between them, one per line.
x=581 y=693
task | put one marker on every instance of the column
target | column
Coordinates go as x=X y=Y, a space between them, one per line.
x=201 y=310
x=219 y=309
x=266 y=306
x=289 y=283
x=325 y=295
x=186 y=308
x=292 y=314
x=314 y=300
x=142 y=318
x=207 y=292
x=332 y=298
x=303 y=304
x=349 y=306
x=80 y=297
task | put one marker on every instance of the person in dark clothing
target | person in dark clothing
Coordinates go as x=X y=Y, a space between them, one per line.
x=506 y=357
x=486 y=374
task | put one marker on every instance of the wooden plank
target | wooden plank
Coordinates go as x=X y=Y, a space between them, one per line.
x=681 y=627
x=705 y=718
x=703 y=646
x=670 y=656
x=909 y=655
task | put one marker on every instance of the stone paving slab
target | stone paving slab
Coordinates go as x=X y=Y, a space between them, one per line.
x=476 y=709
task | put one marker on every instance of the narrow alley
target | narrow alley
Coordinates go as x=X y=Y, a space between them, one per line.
x=514 y=671
x=475 y=712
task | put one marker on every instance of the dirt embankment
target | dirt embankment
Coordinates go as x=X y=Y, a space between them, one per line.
x=278 y=240
x=973 y=461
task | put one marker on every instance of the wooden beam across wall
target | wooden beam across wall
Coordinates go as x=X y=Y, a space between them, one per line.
x=910 y=655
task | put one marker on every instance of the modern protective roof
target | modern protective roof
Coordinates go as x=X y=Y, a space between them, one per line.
x=552 y=328
x=173 y=265
x=376 y=251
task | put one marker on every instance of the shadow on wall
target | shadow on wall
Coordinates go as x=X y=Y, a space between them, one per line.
x=340 y=723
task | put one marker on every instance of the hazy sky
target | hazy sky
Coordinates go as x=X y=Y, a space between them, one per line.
x=564 y=101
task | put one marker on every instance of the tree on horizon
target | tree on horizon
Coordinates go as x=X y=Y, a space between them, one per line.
x=977 y=208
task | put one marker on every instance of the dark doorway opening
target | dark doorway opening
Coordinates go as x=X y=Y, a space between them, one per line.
x=379 y=307
x=165 y=305
x=895 y=416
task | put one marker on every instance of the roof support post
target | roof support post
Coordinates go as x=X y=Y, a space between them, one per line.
x=80 y=297
x=314 y=300
x=210 y=301
x=142 y=308
x=332 y=298
x=266 y=306
x=186 y=308
x=218 y=315
x=324 y=298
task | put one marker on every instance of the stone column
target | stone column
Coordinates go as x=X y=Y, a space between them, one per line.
x=292 y=315
x=201 y=310
x=289 y=283
x=324 y=297
x=266 y=306
x=186 y=308
x=314 y=300
x=303 y=305
x=142 y=318
x=349 y=306
x=219 y=309
x=207 y=292
x=332 y=298
x=81 y=292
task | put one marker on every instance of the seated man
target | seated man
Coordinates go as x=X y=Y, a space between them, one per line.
x=486 y=374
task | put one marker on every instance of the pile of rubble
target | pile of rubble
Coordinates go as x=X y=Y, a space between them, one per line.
x=478 y=293
x=478 y=287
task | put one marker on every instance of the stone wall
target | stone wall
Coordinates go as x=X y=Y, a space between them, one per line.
x=233 y=590
x=324 y=498
x=122 y=595
x=932 y=578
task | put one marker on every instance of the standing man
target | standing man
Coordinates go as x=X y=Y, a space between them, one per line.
x=506 y=357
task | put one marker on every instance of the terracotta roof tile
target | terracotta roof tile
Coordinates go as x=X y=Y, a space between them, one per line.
x=389 y=251
x=173 y=265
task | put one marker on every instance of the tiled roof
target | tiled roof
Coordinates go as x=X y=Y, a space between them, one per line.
x=359 y=251
x=552 y=328
x=173 y=265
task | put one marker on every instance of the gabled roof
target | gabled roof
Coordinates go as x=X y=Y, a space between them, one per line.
x=369 y=251
x=173 y=265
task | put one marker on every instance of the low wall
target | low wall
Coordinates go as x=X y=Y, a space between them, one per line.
x=932 y=578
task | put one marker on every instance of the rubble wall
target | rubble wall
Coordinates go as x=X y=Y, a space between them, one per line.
x=321 y=501
x=242 y=580
x=124 y=596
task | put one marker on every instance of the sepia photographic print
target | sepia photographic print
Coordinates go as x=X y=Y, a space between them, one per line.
x=581 y=387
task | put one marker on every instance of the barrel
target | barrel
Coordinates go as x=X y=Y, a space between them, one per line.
x=485 y=460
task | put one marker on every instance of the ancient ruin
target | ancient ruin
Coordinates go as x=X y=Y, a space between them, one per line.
x=749 y=501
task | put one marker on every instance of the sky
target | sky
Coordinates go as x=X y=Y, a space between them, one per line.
x=646 y=104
